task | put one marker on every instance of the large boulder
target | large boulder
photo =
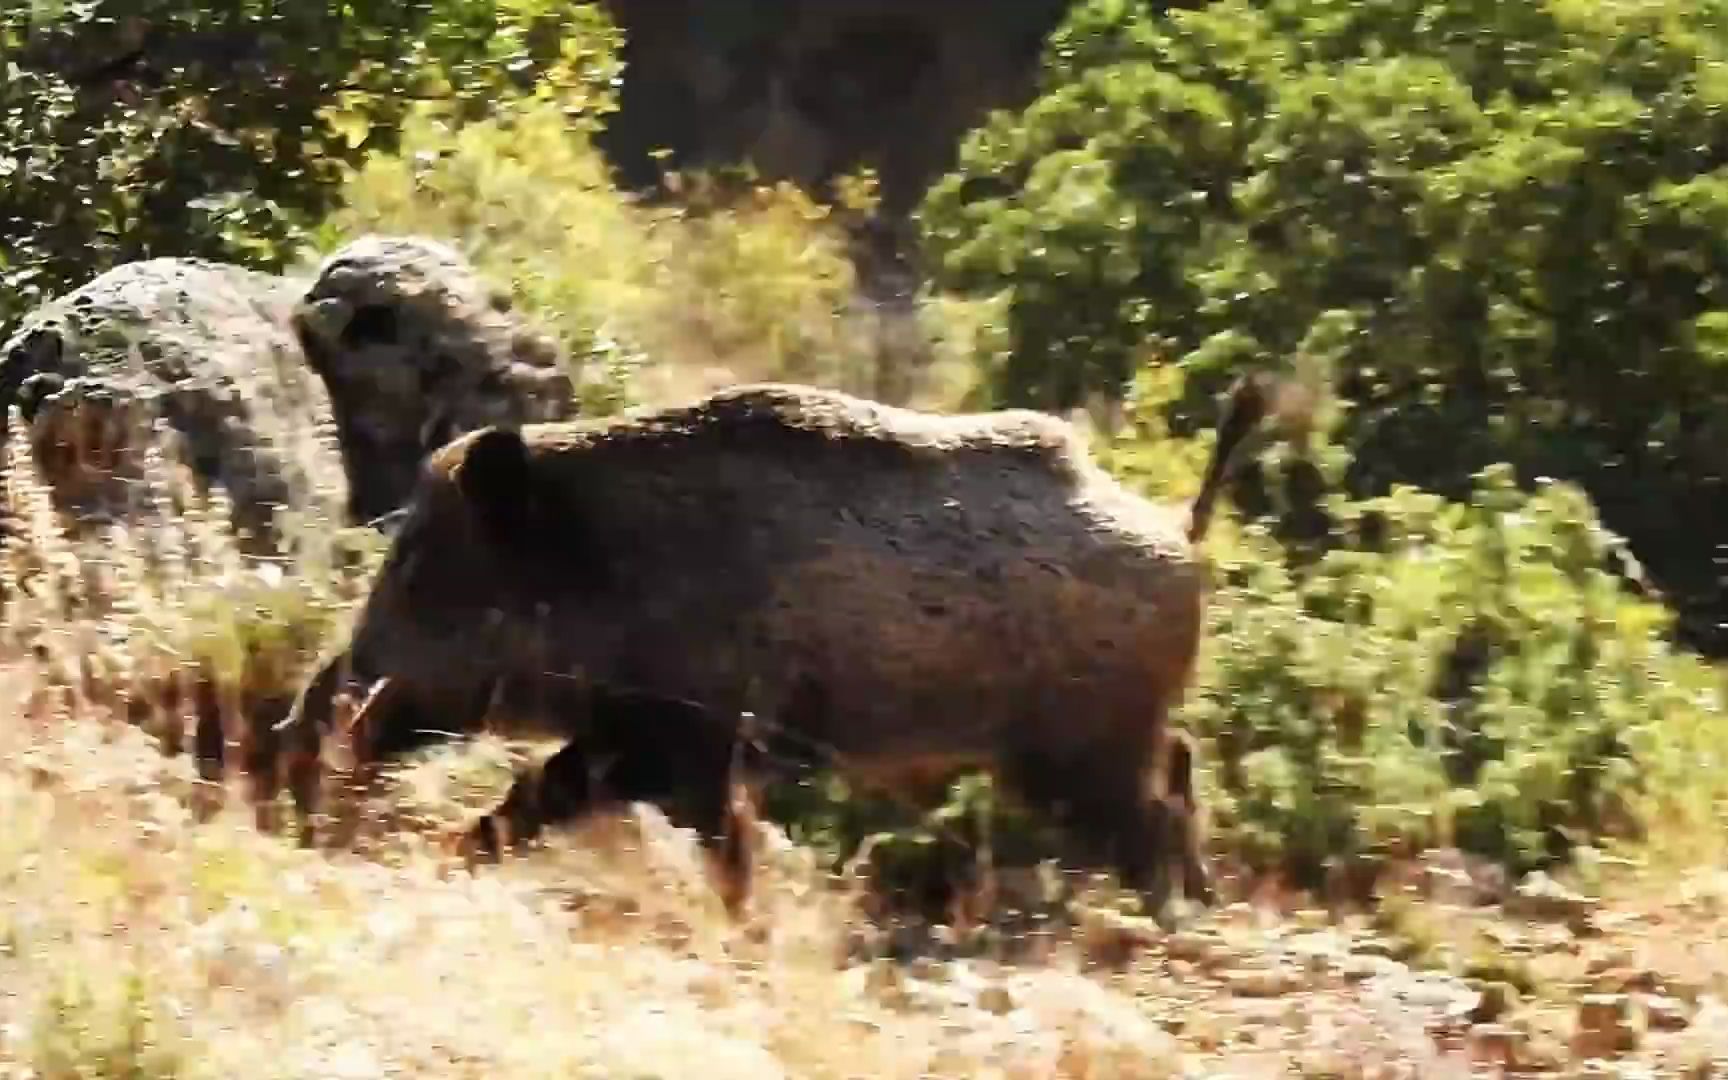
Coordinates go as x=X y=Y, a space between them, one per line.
x=414 y=350
x=183 y=346
x=319 y=393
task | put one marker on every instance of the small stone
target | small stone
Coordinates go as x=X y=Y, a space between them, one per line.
x=1609 y=960
x=1625 y=980
x=1193 y=946
x=1665 y=1013
x=879 y=978
x=1444 y=885
x=1497 y=1000
x=1025 y=888
x=996 y=999
x=1312 y=918
x=1446 y=878
x=1363 y=968
x=928 y=969
x=1262 y=982
x=1539 y=896
x=1206 y=1031
x=1316 y=962
x=1608 y=1024
x=1110 y=938
x=1498 y=1044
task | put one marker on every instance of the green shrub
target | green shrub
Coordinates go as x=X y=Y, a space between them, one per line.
x=116 y=1033
x=1503 y=224
x=728 y=283
x=1466 y=673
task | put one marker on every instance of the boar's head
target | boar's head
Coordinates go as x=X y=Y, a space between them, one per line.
x=480 y=557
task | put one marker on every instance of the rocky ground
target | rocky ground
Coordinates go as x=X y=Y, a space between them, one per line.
x=1550 y=982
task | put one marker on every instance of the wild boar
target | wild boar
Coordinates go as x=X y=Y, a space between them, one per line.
x=905 y=594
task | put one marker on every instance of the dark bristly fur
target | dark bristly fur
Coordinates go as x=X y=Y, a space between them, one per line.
x=910 y=593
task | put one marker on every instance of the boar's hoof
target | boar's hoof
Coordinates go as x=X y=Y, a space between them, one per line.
x=485 y=842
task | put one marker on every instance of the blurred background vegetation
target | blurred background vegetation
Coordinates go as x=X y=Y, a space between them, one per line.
x=1491 y=236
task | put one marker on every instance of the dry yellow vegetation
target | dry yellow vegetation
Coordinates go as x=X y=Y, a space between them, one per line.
x=136 y=941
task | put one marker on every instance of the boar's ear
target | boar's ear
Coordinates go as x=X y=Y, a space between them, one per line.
x=494 y=480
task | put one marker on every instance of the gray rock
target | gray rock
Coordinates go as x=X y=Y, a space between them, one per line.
x=1262 y=982
x=197 y=348
x=1540 y=897
x=1665 y=1013
x=319 y=394
x=415 y=350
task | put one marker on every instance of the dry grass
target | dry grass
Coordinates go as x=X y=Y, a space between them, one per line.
x=143 y=934
x=132 y=615
x=135 y=942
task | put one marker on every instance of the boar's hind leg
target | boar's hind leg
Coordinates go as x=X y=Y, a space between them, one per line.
x=210 y=748
x=1181 y=814
x=1102 y=801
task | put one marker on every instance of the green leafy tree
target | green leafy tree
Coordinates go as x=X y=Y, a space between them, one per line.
x=137 y=128
x=1448 y=671
x=1500 y=229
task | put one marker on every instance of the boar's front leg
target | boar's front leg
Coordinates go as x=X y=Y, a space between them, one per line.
x=672 y=754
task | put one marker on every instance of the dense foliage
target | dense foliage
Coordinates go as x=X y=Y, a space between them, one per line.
x=1457 y=673
x=758 y=285
x=1500 y=230
x=137 y=128
x=733 y=280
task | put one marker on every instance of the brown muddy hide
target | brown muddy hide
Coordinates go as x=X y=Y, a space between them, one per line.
x=414 y=350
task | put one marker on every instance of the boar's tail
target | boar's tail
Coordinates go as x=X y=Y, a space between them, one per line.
x=1250 y=401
